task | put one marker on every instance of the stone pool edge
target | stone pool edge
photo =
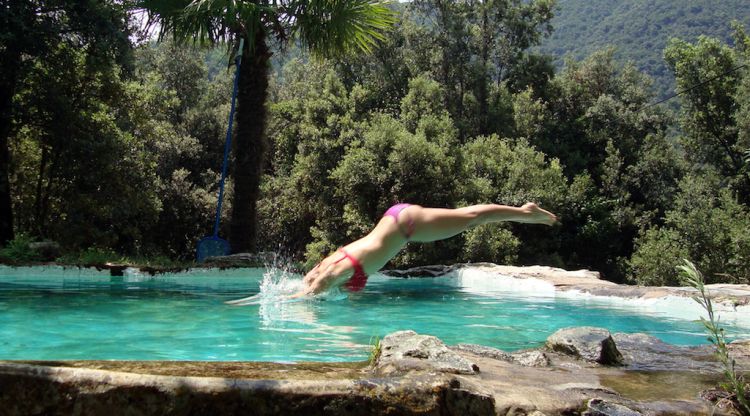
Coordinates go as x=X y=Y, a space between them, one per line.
x=27 y=388
x=578 y=370
x=585 y=281
x=731 y=301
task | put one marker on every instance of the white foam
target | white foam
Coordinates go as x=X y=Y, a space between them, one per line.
x=478 y=281
x=670 y=306
x=484 y=282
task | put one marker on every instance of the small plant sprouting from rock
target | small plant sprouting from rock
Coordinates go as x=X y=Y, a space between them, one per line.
x=735 y=383
x=375 y=350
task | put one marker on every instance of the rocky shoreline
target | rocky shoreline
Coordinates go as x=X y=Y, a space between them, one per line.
x=583 y=281
x=580 y=371
x=731 y=301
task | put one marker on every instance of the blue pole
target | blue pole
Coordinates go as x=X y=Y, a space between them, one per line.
x=228 y=140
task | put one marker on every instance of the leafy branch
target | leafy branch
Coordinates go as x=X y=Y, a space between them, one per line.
x=735 y=383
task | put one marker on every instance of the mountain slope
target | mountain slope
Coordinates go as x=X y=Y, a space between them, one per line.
x=640 y=29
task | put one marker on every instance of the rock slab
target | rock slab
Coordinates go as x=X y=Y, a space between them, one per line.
x=599 y=407
x=41 y=390
x=588 y=343
x=406 y=350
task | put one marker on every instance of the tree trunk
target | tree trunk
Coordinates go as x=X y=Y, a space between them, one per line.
x=249 y=144
x=482 y=87
x=8 y=73
x=40 y=197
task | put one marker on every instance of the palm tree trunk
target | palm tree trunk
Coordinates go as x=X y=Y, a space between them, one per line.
x=249 y=145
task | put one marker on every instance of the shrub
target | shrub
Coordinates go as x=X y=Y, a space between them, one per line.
x=19 y=251
x=706 y=224
x=492 y=243
x=654 y=262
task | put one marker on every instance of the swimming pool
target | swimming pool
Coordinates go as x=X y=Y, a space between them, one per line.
x=55 y=313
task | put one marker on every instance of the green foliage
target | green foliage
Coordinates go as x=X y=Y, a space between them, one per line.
x=490 y=243
x=128 y=165
x=709 y=218
x=470 y=46
x=335 y=170
x=425 y=98
x=93 y=256
x=594 y=120
x=710 y=109
x=706 y=224
x=90 y=35
x=19 y=251
x=78 y=146
x=122 y=150
x=654 y=261
x=734 y=382
x=504 y=171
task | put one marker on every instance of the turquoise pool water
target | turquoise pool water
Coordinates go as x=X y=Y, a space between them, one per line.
x=51 y=314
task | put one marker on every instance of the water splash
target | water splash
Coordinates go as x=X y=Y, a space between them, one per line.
x=279 y=282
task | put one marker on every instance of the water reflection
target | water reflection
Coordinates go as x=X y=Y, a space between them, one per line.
x=302 y=317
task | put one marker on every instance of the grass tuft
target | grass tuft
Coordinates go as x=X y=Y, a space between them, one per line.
x=734 y=383
x=375 y=350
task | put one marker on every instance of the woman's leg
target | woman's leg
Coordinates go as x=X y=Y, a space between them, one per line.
x=432 y=224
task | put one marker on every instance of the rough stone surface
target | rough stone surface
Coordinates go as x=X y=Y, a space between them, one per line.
x=647 y=353
x=422 y=271
x=503 y=387
x=406 y=350
x=588 y=343
x=483 y=351
x=531 y=359
x=27 y=389
x=599 y=407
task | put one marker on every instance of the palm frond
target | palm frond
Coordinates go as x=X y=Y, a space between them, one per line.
x=207 y=21
x=327 y=27
x=335 y=27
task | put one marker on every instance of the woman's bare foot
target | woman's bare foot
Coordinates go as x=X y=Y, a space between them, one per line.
x=536 y=215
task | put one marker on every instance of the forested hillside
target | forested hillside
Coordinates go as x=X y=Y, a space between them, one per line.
x=639 y=30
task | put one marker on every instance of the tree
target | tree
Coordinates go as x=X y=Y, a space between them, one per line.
x=595 y=120
x=80 y=174
x=709 y=74
x=32 y=29
x=325 y=27
x=470 y=47
x=706 y=224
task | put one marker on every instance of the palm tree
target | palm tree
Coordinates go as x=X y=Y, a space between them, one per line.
x=325 y=27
